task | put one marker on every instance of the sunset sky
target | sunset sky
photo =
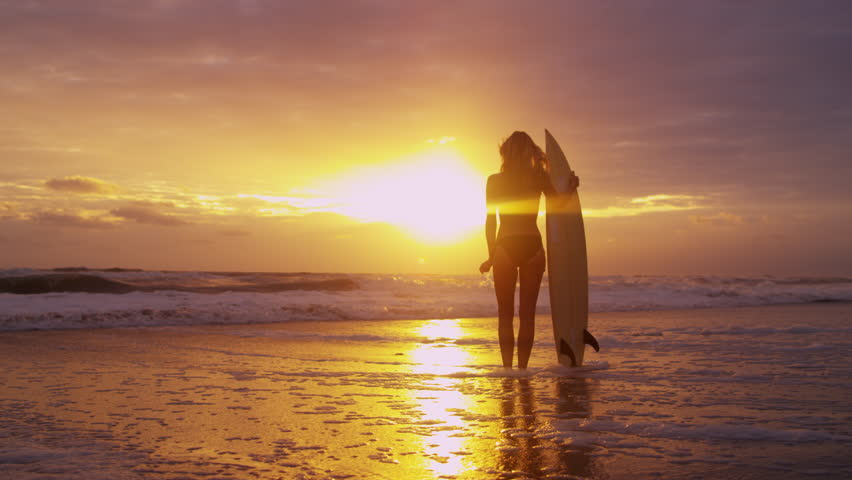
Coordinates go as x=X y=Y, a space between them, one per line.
x=356 y=136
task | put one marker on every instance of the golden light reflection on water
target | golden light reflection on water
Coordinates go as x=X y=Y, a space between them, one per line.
x=438 y=355
x=446 y=452
x=479 y=425
x=449 y=329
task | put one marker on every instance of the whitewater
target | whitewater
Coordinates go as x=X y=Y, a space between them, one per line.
x=87 y=298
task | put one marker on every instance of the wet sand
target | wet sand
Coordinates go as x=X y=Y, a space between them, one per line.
x=736 y=393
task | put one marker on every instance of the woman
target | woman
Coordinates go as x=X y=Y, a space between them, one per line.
x=516 y=250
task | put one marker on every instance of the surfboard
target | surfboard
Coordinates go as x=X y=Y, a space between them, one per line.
x=567 y=264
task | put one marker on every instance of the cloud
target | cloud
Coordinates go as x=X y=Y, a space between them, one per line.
x=148 y=216
x=152 y=203
x=40 y=148
x=282 y=206
x=665 y=199
x=719 y=219
x=7 y=210
x=78 y=184
x=234 y=232
x=75 y=220
x=648 y=204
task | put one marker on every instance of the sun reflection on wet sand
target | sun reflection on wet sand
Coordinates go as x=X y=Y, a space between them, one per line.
x=438 y=355
x=475 y=425
x=444 y=449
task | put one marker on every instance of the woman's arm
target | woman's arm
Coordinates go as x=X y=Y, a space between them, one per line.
x=490 y=224
x=491 y=233
x=490 y=216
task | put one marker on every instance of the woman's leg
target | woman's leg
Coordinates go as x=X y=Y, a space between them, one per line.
x=530 y=273
x=505 y=277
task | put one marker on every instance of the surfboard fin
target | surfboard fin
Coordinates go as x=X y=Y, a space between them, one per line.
x=590 y=339
x=565 y=349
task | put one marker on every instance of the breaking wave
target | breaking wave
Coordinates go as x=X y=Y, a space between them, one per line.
x=84 y=298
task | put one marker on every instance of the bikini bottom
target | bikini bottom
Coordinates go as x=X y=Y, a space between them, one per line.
x=520 y=248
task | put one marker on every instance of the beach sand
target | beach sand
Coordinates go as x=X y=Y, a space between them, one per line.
x=718 y=393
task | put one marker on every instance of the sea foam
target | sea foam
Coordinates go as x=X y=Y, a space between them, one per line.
x=84 y=298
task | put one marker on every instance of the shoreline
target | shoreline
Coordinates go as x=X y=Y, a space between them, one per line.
x=672 y=393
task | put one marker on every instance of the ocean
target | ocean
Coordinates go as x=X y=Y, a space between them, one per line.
x=87 y=298
x=119 y=374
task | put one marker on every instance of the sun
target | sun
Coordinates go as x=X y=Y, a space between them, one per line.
x=436 y=196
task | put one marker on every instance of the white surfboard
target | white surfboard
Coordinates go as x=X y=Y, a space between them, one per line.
x=567 y=265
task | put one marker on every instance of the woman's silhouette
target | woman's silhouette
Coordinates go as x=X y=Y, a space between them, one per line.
x=516 y=250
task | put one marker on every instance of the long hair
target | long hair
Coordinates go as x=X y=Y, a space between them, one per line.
x=522 y=158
